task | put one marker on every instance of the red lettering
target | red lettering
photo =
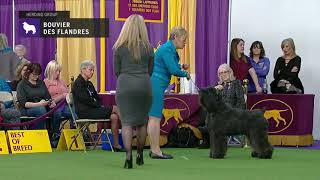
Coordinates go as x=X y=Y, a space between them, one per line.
x=17 y=134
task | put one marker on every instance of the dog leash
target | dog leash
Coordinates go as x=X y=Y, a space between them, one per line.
x=197 y=88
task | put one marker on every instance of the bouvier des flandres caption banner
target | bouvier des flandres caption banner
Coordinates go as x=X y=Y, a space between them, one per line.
x=223 y=121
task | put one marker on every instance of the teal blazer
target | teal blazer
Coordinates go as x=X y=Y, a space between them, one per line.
x=166 y=62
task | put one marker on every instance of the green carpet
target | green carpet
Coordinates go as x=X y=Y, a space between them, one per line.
x=291 y=164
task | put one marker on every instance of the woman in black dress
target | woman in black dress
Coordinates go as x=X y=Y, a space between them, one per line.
x=286 y=71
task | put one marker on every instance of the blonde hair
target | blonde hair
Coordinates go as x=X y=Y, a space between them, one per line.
x=3 y=41
x=133 y=33
x=291 y=43
x=52 y=66
x=178 y=31
x=227 y=68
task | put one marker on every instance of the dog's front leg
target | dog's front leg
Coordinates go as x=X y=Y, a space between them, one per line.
x=217 y=149
x=220 y=146
x=211 y=135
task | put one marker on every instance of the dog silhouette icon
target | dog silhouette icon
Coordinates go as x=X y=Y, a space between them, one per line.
x=29 y=27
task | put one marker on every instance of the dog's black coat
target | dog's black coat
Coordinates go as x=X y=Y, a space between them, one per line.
x=223 y=120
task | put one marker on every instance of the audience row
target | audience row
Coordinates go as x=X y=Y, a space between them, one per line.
x=36 y=97
x=256 y=67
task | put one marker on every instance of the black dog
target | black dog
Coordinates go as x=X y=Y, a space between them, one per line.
x=223 y=120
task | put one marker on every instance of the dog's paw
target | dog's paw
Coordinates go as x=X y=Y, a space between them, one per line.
x=254 y=154
x=210 y=155
x=267 y=155
x=218 y=156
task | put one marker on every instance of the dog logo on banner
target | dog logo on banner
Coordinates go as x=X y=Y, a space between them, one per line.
x=278 y=114
x=169 y=113
x=29 y=27
x=174 y=112
x=275 y=115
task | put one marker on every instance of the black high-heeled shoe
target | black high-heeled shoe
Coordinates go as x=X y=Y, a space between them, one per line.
x=139 y=160
x=128 y=164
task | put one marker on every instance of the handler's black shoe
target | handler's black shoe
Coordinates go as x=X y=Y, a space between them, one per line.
x=118 y=149
x=128 y=164
x=156 y=156
x=139 y=160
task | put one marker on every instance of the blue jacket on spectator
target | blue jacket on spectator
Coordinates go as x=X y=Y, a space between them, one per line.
x=4 y=86
x=262 y=69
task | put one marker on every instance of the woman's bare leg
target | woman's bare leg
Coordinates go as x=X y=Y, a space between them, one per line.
x=154 y=135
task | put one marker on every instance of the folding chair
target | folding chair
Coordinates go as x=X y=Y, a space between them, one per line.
x=15 y=101
x=8 y=97
x=83 y=126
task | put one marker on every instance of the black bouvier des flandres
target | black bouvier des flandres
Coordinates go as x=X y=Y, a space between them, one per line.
x=223 y=121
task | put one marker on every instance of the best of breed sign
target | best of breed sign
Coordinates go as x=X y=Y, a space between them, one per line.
x=3 y=143
x=29 y=141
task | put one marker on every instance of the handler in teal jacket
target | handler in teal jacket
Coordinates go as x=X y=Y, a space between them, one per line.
x=166 y=63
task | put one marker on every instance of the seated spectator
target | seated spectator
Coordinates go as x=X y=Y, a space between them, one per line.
x=33 y=95
x=9 y=116
x=8 y=112
x=19 y=74
x=261 y=65
x=232 y=93
x=88 y=104
x=8 y=59
x=4 y=86
x=58 y=90
x=20 y=51
x=286 y=70
x=230 y=88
